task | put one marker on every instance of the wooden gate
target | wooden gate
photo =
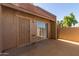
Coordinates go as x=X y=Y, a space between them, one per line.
x=23 y=31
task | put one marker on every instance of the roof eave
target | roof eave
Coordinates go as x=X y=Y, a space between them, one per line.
x=23 y=10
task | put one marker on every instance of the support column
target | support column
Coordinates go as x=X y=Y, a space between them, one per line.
x=53 y=30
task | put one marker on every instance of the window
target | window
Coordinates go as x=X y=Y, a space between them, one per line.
x=41 y=29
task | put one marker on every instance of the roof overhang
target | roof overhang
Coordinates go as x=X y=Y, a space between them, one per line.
x=26 y=11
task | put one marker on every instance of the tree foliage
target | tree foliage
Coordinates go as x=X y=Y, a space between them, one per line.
x=68 y=21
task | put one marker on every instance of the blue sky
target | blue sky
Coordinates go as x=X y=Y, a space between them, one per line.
x=61 y=9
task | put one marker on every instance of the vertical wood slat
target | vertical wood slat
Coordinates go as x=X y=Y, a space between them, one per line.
x=9 y=29
x=23 y=31
x=1 y=29
x=16 y=30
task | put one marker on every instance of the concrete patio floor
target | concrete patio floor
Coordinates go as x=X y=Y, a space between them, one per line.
x=47 y=48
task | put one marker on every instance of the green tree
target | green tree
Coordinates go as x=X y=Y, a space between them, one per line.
x=74 y=21
x=69 y=20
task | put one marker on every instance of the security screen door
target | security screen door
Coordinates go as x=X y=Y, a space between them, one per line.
x=42 y=29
